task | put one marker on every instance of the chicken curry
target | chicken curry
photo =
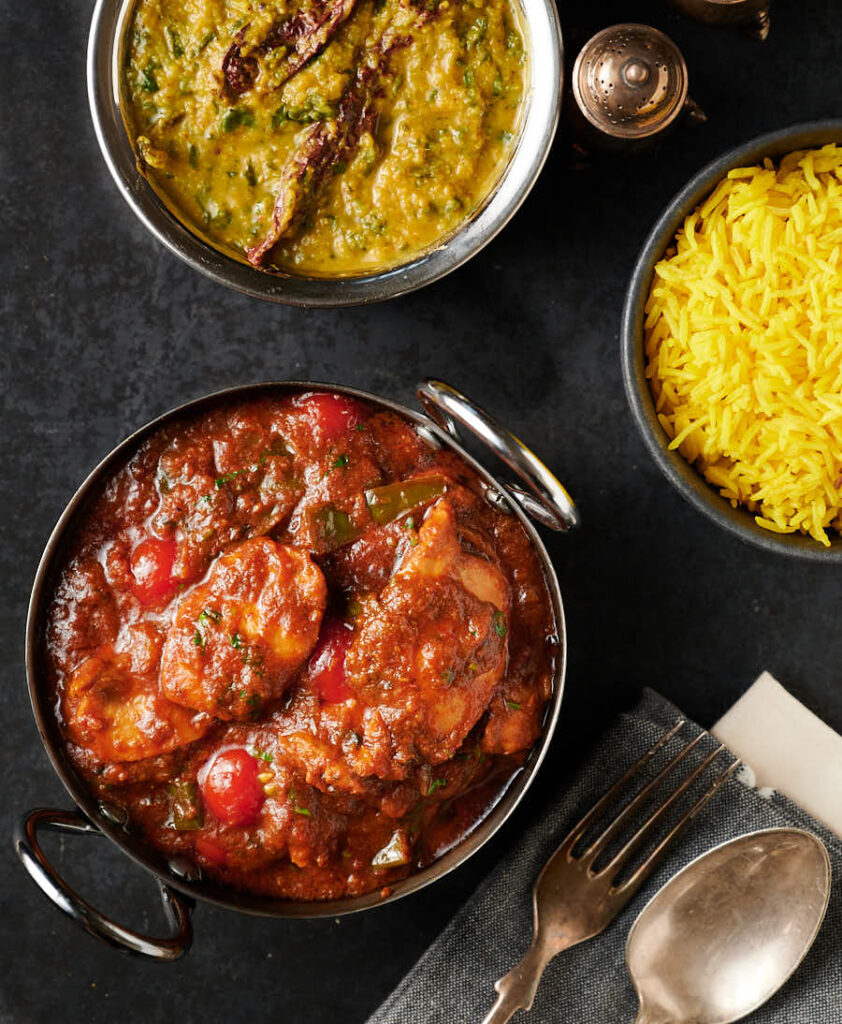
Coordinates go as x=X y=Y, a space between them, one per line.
x=297 y=645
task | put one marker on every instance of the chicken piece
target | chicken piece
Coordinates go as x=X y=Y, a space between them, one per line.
x=238 y=638
x=429 y=652
x=119 y=713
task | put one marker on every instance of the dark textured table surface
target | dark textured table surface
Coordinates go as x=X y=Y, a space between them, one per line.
x=102 y=329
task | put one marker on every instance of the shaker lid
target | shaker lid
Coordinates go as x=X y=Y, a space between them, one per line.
x=630 y=81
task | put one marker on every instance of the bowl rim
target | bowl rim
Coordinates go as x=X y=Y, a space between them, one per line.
x=687 y=480
x=154 y=861
x=535 y=136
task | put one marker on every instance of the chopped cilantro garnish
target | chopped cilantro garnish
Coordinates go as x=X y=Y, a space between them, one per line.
x=500 y=627
x=236 y=640
x=174 y=42
x=341 y=462
x=513 y=704
x=221 y=481
x=436 y=784
x=236 y=117
x=199 y=640
x=148 y=82
x=209 y=615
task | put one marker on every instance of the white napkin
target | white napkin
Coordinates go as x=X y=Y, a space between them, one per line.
x=787 y=748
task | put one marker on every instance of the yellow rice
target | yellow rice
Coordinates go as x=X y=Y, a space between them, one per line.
x=744 y=341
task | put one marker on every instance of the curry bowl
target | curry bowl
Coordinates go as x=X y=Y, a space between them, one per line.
x=526 y=148
x=684 y=476
x=537 y=495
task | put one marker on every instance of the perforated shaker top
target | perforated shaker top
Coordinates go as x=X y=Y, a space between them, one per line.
x=630 y=81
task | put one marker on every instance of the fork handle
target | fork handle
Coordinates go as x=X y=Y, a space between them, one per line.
x=517 y=989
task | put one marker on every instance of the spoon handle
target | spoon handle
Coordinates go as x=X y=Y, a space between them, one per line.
x=516 y=990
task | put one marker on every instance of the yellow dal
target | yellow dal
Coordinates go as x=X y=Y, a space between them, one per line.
x=446 y=123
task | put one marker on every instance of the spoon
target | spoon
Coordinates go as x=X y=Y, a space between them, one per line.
x=723 y=935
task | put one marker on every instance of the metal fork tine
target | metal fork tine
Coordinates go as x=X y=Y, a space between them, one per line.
x=599 y=844
x=633 y=883
x=623 y=854
x=605 y=801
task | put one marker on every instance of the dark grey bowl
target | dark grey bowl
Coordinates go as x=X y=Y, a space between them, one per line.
x=687 y=480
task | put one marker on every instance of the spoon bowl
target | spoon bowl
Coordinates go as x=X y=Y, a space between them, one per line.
x=723 y=935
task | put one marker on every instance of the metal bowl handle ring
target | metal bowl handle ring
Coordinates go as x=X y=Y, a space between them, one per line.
x=544 y=498
x=48 y=880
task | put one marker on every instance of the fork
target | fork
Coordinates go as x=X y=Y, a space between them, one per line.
x=573 y=900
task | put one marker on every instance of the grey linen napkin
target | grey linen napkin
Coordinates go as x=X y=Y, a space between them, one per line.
x=453 y=983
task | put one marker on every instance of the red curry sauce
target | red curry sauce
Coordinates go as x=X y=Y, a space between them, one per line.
x=298 y=646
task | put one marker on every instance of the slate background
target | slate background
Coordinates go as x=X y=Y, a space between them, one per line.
x=103 y=329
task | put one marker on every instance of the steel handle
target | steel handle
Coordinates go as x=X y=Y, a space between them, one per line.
x=544 y=498
x=516 y=990
x=48 y=880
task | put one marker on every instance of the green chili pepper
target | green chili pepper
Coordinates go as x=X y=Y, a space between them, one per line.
x=186 y=813
x=335 y=526
x=393 y=500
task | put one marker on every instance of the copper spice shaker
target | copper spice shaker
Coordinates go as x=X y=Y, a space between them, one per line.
x=630 y=83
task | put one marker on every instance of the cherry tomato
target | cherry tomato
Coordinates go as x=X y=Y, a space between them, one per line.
x=326 y=668
x=210 y=850
x=331 y=415
x=230 y=787
x=151 y=564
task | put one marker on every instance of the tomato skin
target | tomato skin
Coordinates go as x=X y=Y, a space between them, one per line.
x=151 y=564
x=331 y=415
x=230 y=787
x=208 y=849
x=326 y=668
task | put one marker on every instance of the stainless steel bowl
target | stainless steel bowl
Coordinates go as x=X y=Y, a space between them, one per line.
x=539 y=495
x=684 y=477
x=539 y=120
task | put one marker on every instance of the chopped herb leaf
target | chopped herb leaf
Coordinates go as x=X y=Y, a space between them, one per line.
x=236 y=640
x=236 y=117
x=500 y=627
x=174 y=42
x=513 y=704
x=148 y=82
x=221 y=481
x=341 y=462
x=436 y=784
x=199 y=640
x=208 y=39
x=209 y=615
